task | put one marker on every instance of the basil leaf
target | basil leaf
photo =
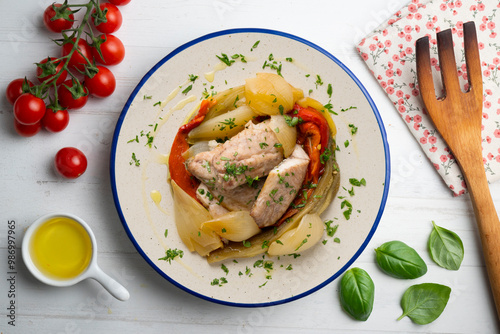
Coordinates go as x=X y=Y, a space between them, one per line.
x=399 y=260
x=446 y=248
x=357 y=293
x=425 y=302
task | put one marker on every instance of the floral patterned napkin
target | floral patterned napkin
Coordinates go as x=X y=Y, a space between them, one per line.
x=389 y=52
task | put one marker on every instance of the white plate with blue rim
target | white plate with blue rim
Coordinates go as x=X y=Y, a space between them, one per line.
x=160 y=104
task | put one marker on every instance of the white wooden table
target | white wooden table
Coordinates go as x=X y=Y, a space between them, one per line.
x=151 y=29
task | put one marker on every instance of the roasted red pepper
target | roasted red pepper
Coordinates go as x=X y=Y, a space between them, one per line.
x=313 y=134
x=178 y=171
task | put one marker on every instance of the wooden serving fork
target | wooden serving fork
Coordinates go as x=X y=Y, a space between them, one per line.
x=457 y=116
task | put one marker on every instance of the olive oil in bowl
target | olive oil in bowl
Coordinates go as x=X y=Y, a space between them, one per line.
x=61 y=248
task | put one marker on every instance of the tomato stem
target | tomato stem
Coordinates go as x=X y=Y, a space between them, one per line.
x=74 y=38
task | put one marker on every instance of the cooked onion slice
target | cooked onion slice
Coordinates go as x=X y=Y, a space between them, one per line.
x=189 y=215
x=287 y=135
x=226 y=100
x=304 y=236
x=225 y=125
x=233 y=226
x=269 y=94
x=198 y=147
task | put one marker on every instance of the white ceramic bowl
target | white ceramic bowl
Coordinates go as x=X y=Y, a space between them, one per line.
x=92 y=271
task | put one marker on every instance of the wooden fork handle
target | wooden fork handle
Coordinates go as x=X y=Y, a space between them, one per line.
x=488 y=226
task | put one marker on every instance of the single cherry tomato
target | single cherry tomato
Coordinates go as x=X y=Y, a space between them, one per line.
x=15 y=89
x=112 y=50
x=60 y=24
x=29 y=109
x=78 y=61
x=55 y=120
x=113 y=18
x=102 y=84
x=27 y=130
x=119 y=2
x=65 y=94
x=70 y=162
x=45 y=70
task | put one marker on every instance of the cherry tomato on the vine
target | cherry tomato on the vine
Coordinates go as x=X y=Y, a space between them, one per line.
x=60 y=24
x=27 y=130
x=112 y=50
x=47 y=71
x=102 y=84
x=77 y=60
x=15 y=89
x=113 y=18
x=55 y=120
x=119 y=2
x=65 y=96
x=29 y=109
x=70 y=162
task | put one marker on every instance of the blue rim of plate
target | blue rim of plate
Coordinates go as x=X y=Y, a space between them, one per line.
x=239 y=31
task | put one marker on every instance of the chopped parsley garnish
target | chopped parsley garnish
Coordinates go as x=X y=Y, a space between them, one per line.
x=337 y=240
x=188 y=88
x=292 y=121
x=193 y=78
x=329 y=90
x=227 y=122
x=325 y=156
x=282 y=109
x=225 y=59
x=136 y=139
x=218 y=281
x=301 y=244
x=263 y=145
x=224 y=268
x=147 y=97
x=346 y=143
x=272 y=64
x=289 y=59
x=357 y=183
x=246 y=243
x=250 y=180
x=221 y=198
x=289 y=267
x=330 y=230
x=255 y=45
x=171 y=254
x=242 y=57
x=166 y=232
x=329 y=107
x=135 y=161
x=351 y=107
x=318 y=82
x=278 y=145
x=354 y=129
x=346 y=204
